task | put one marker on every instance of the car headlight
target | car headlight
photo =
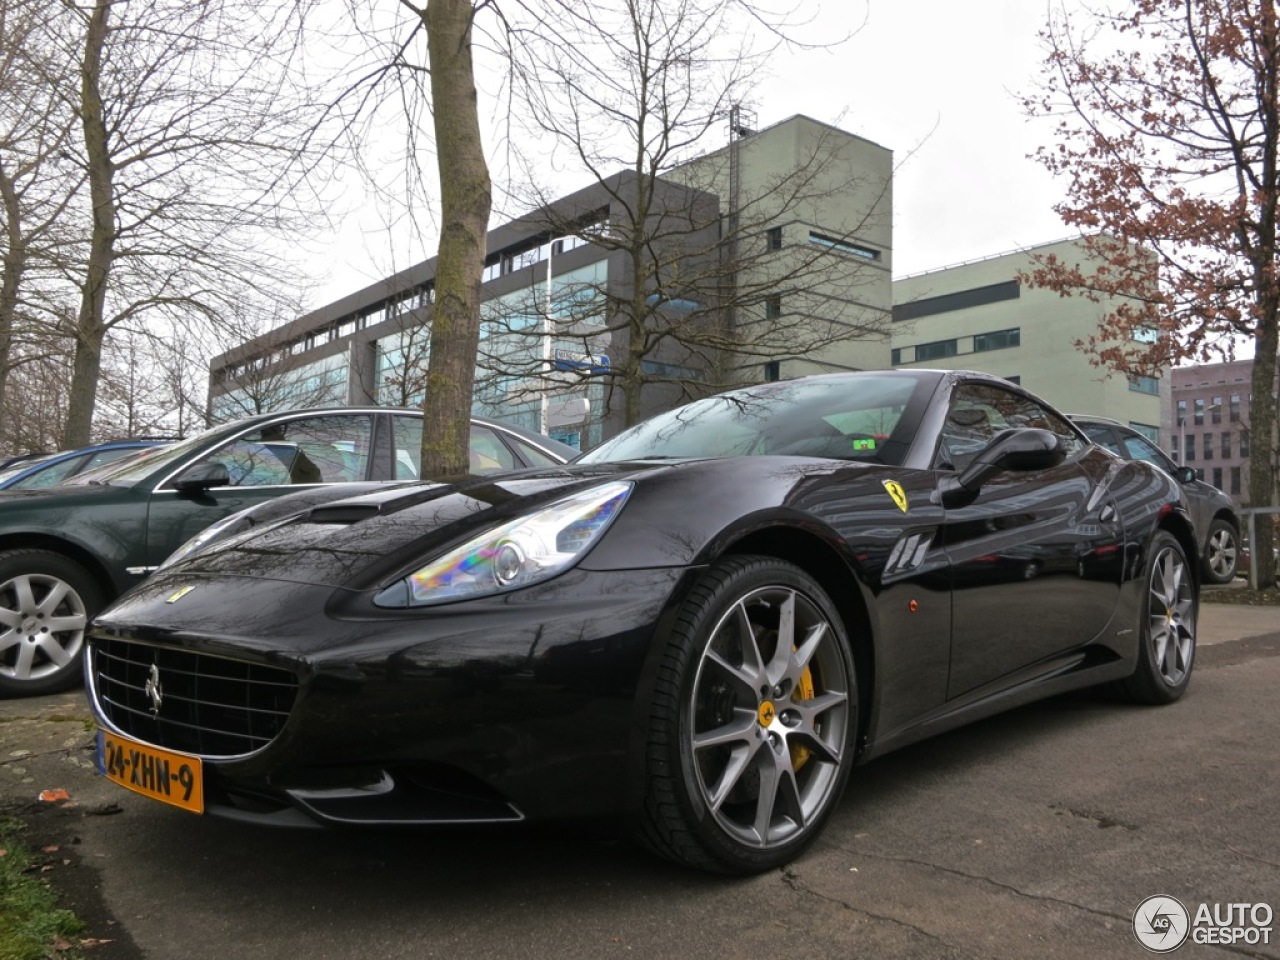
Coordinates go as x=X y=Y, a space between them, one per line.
x=524 y=551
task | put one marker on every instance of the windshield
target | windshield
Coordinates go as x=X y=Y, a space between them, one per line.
x=129 y=470
x=11 y=472
x=857 y=417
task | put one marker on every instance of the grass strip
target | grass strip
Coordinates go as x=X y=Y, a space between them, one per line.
x=32 y=926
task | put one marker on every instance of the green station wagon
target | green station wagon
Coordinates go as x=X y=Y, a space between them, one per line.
x=67 y=551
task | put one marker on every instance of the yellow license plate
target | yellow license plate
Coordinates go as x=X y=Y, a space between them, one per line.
x=169 y=777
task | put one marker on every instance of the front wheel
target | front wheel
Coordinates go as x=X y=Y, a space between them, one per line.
x=46 y=602
x=752 y=724
x=1166 y=626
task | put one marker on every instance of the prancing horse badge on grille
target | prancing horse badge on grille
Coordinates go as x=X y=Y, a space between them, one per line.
x=153 y=690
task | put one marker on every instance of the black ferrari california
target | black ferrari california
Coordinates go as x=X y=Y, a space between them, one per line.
x=697 y=628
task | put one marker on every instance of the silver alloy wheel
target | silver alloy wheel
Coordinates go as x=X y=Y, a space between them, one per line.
x=42 y=624
x=1171 y=615
x=1221 y=553
x=770 y=722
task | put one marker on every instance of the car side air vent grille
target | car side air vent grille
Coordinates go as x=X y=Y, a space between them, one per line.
x=190 y=702
x=344 y=513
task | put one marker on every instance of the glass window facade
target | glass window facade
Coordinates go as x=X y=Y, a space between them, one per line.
x=321 y=383
x=844 y=246
x=999 y=340
x=936 y=350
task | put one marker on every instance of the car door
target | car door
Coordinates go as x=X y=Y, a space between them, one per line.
x=264 y=462
x=1024 y=587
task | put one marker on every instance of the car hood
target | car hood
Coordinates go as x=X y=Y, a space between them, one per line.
x=359 y=541
x=675 y=510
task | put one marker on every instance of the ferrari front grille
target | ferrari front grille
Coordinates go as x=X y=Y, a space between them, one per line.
x=191 y=702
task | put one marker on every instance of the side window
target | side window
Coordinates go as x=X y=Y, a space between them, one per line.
x=532 y=455
x=1103 y=437
x=488 y=453
x=324 y=449
x=1140 y=448
x=980 y=411
x=407 y=438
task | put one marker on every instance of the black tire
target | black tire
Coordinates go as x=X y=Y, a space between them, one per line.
x=1221 y=552
x=1166 y=626
x=46 y=602
x=747 y=752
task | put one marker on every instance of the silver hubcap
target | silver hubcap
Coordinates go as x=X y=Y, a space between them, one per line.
x=42 y=623
x=770 y=710
x=1171 y=616
x=1222 y=553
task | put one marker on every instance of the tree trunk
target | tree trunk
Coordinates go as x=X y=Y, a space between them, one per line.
x=1262 y=459
x=13 y=269
x=90 y=321
x=465 y=203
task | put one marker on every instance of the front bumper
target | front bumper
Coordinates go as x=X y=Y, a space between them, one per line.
x=483 y=711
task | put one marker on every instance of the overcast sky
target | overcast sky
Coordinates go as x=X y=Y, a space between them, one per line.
x=935 y=81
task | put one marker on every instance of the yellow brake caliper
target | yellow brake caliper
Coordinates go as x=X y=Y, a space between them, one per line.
x=804 y=691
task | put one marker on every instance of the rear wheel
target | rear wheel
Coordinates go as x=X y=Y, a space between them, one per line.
x=1221 y=552
x=1166 y=626
x=46 y=601
x=751 y=727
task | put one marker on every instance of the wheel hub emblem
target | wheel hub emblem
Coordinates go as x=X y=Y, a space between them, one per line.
x=766 y=713
x=153 y=690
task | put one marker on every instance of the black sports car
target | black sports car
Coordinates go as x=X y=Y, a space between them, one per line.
x=699 y=627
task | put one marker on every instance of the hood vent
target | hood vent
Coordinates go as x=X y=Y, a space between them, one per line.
x=343 y=513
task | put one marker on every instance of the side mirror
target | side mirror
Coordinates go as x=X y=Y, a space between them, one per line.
x=1185 y=474
x=1017 y=449
x=201 y=476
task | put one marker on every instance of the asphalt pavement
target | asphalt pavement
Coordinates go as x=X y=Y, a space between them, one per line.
x=1034 y=834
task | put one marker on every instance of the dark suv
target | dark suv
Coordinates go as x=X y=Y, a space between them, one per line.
x=1217 y=526
x=67 y=551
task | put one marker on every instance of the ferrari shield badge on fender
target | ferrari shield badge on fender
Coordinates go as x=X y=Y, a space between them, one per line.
x=179 y=594
x=897 y=493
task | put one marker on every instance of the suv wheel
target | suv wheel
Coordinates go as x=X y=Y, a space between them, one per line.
x=1221 y=552
x=46 y=602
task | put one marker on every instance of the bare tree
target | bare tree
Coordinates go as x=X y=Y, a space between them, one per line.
x=465 y=196
x=721 y=272
x=36 y=387
x=192 y=127
x=1169 y=140
x=36 y=186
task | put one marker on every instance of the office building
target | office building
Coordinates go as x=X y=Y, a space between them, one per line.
x=980 y=316
x=1209 y=424
x=801 y=285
